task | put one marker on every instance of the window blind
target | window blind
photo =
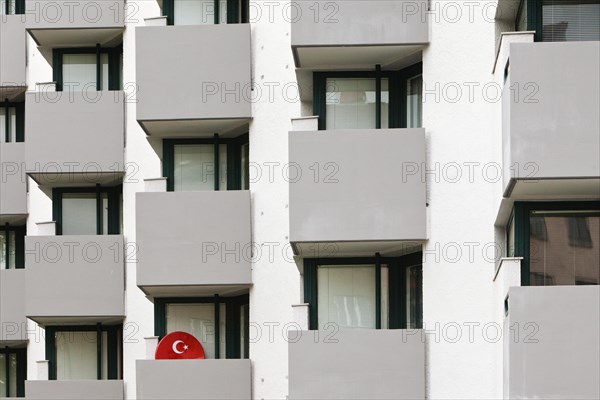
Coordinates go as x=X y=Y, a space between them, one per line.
x=570 y=20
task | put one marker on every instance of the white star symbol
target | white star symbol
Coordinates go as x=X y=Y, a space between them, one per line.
x=185 y=347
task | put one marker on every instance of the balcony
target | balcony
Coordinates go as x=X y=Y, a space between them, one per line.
x=217 y=100
x=557 y=354
x=74 y=390
x=357 y=191
x=13 y=328
x=75 y=138
x=551 y=130
x=347 y=366
x=12 y=56
x=358 y=34
x=193 y=379
x=193 y=243
x=74 y=279
x=13 y=183
x=84 y=23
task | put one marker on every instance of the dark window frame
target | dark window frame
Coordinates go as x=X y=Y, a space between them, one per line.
x=114 y=206
x=114 y=65
x=522 y=211
x=398 y=88
x=114 y=340
x=233 y=307
x=234 y=159
x=20 y=120
x=397 y=302
x=20 y=231
x=237 y=11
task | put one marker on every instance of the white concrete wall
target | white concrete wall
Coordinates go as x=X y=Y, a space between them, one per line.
x=457 y=288
x=143 y=163
x=276 y=281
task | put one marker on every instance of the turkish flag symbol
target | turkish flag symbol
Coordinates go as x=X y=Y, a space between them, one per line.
x=179 y=346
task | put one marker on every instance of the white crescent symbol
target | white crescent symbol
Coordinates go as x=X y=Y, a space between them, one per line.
x=175 y=346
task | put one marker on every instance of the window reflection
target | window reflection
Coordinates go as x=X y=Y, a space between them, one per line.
x=566 y=251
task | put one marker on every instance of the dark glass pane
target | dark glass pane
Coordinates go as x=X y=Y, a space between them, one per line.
x=537 y=226
x=571 y=20
x=568 y=253
x=414 y=297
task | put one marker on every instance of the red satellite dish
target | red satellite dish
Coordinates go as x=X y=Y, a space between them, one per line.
x=179 y=346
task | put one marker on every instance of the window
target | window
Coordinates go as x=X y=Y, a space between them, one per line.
x=205 y=12
x=12 y=247
x=84 y=352
x=510 y=237
x=369 y=100
x=189 y=164
x=537 y=226
x=219 y=323
x=12 y=122
x=414 y=102
x=13 y=371
x=566 y=251
x=351 y=103
x=87 y=211
x=570 y=20
x=579 y=232
x=560 y=20
x=346 y=295
x=12 y=7
x=85 y=69
x=370 y=293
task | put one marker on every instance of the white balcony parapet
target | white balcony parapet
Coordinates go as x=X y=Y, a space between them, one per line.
x=155 y=185
x=151 y=344
x=301 y=315
x=156 y=21
x=47 y=228
x=502 y=53
x=305 y=123
x=43 y=368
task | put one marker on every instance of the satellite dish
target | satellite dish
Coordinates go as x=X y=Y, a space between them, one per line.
x=179 y=346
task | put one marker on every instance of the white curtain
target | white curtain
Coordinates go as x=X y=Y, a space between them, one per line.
x=351 y=103
x=12 y=365
x=79 y=214
x=194 y=12
x=105 y=213
x=199 y=321
x=11 y=10
x=245 y=166
x=415 y=102
x=222 y=11
x=10 y=239
x=104 y=69
x=79 y=72
x=12 y=126
x=76 y=356
x=346 y=296
x=195 y=167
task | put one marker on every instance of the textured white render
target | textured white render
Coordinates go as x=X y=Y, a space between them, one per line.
x=277 y=283
x=457 y=290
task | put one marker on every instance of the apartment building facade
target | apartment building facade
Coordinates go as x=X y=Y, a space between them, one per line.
x=347 y=199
